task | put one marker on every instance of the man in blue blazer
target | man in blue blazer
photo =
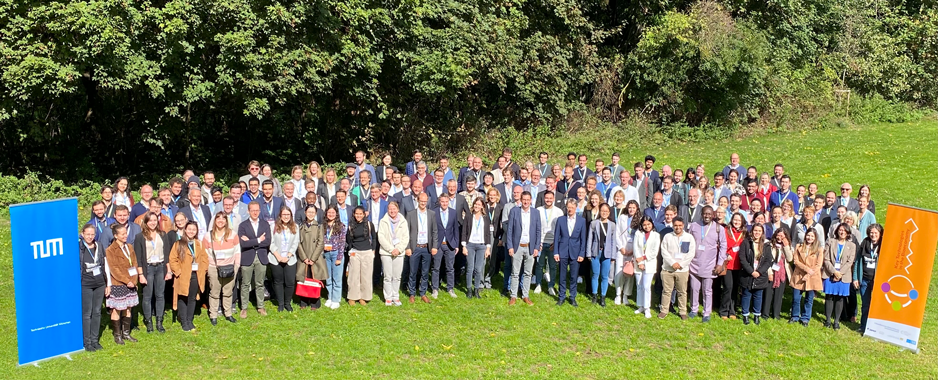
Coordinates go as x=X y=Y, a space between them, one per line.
x=656 y=211
x=255 y=238
x=437 y=188
x=448 y=242
x=411 y=167
x=375 y=201
x=569 y=249
x=197 y=212
x=270 y=205
x=523 y=240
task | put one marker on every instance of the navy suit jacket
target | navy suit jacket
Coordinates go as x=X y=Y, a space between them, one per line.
x=206 y=215
x=406 y=203
x=450 y=231
x=383 y=204
x=513 y=231
x=137 y=210
x=276 y=203
x=505 y=192
x=433 y=199
x=102 y=226
x=657 y=220
x=578 y=176
x=569 y=246
x=252 y=248
x=106 y=237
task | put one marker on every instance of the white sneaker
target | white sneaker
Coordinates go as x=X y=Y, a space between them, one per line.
x=328 y=304
x=397 y=303
x=451 y=294
x=639 y=310
x=552 y=292
x=647 y=313
x=537 y=289
x=388 y=303
x=434 y=294
x=335 y=305
x=618 y=300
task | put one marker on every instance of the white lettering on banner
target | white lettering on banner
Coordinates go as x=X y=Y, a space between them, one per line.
x=52 y=247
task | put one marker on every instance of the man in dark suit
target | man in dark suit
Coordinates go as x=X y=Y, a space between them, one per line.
x=255 y=235
x=140 y=208
x=644 y=186
x=436 y=189
x=845 y=200
x=569 y=250
x=828 y=212
x=581 y=172
x=652 y=174
x=448 y=241
x=270 y=205
x=567 y=185
x=475 y=171
x=411 y=167
x=656 y=212
x=375 y=207
x=515 y=169
x=670 y=197
x=504 y=188
x=345 y=210
x=197 y=212
x=523 y=240
x=407 y=197
x=121 y=217
x=423 y=246
x=293 y=203
x=350 y=199
x=691 y=212
x=461 y=175
x=550 y=185
x=457 y=201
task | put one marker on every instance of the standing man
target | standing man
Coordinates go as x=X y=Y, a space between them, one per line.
x=549 y=215
x=447 y=172
x=411 y=167
x=643 y=186
x=777 y=179
x=677 y=252
x=668 y=196
x=569 y=250
x=255 y=241
x=421 y=178
x=208 y=181
x=542 y=166
x=691 y=212
x=581 y=173
x=784 y=192
x=198 y=212
x=515 y=169
x=656 y=212
x=421 y=248
x=605 y=187
x=734 y=166
x=270 y=205
x=406 y=198
x=523 y=242
x=707 y=264
x=651 y=173
x=828 y=212
x=550 y=185
x=719 y=190
x=448 y=242
x=437 y=189
x=616 y=169
x=844 y=199
x=240 y=208
x=141 y=208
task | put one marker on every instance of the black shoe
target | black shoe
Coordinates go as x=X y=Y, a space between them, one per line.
x=602 y=302
x=745 y=319
x=289 y=308
x=827 y=324
x=159 y=325
x=593 y=298
x=755 y=320
x=96 y=344
x=479 y=294
x=90 y=348
x=214 y=321
x=573 y=302
x=560 y=302
x=793 y=320
x=149 y=324
x=836 y=325
x=805 y=323
x=231 y=319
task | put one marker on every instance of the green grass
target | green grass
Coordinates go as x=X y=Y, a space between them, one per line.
x=456 y=338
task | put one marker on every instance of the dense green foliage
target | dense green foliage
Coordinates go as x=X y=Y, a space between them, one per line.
x=98 y=88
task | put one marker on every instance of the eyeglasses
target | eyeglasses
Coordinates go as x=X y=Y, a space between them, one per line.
x=845 y=189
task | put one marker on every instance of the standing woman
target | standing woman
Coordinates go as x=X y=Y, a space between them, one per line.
x=708 y=198
x=150 y=247
x=865 y=192
x=330 y=186
x=582 y=201
x=299 y=184
x=755 y=207
x=107 y=196
x=361 y=243
x=601 y=243
x=310 y=254
x=735 y=235
x=646 y=244
x=282 y=258
x=267 y=171
x=788 y=214
x=477 y=246
x=223 y=247
x=334 y=252
x=94 y=287
x=122 y=195
x=393 y=237
x=807 y=223
x=756 y=260
x=380 y=171
x=839 y=256
x=806 y=277
x=865 y=218
x=189 y=264
x=124 y=272
x=626 y=225
x=865 y=269
x=690 y=181
x=779 y=275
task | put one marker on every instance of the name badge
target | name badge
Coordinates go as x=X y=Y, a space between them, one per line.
x=775 y=267
x=735 y=249
x=870 y=265
x=700 y=247
x=395 y=241
x=195 y=267
x=422 y=235
x=132 y=271
x=328 y=247
x=492 y=228
x=96 y=271
x=679 y=255
x=837 y=267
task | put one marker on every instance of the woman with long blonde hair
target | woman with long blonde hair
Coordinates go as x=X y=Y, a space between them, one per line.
x=806 y=277
x=282 y=258
x=224 y=250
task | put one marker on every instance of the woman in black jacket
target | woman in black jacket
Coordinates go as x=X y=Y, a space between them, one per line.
x=361 y=242
x=93 y=287
x=150 y=248
x=865 y=269
x=755 y=258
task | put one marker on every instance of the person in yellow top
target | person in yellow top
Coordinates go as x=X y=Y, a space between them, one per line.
x=189 y=263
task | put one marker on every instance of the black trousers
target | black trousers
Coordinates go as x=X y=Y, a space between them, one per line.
x=772 y=300
x=833 y=304
x=186 y=305
x=850 y=305
x=91 y=301
x=284 y=283
x=730 y=291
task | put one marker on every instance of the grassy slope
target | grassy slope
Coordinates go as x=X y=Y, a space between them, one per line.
x=487 y=339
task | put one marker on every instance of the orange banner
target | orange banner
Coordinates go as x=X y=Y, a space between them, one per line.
x=903 y=273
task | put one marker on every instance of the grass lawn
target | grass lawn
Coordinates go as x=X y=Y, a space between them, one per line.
x=458 y=338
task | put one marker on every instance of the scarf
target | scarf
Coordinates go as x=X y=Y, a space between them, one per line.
x=780 y=274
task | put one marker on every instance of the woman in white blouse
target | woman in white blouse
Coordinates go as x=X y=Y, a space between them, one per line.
x=393 y=236
x=122 y=194
x=477 y=246
x=282 y=257
x=645 y=246
x=626 y=225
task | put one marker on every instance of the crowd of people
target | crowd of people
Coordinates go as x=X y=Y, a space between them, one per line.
x=736 y=244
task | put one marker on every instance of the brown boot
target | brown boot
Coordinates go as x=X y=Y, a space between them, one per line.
x=116 y=329
x=125 y=322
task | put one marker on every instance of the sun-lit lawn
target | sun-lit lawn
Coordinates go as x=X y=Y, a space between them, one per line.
x=459 y=338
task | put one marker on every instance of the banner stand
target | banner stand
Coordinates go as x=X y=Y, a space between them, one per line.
x=67 y=355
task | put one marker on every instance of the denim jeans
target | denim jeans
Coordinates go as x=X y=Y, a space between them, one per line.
x=866 y=295
x=752 y=297
x=799 y=312
x=334 y=283
x=545 y=260
x=475 y=263
x=600 y=274
x=154 y=290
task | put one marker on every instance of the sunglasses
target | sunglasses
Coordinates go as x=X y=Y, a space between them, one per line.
x=845 y=189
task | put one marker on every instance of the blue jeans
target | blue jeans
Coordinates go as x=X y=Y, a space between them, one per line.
x=752 y=297
x=866 y=295
x=475 y=265
x=799 y=312
x=334 y=283
x=545 y=260
x=419 y=264
x=600 y=275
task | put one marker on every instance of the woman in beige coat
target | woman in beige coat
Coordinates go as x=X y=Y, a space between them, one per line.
x=393 y=236
x=309 y=253
x=806 y=277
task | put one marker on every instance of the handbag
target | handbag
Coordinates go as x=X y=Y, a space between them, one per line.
x=628 y=268
x=310 y=287
x=224 y=271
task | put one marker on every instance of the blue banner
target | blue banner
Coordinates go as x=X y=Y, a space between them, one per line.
x=46 y=278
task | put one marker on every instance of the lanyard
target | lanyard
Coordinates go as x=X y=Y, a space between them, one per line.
x=781 y=197
x=657 y=210
x=94 y=252
x=270 y=207
x=604 y=226
x=98 y=223
x=840 y=249
x=444 y=217
x=124 y=251
x=192 y=250
x=478 y=223
x=419 y=219
x=153 y=244
x=736 y=237
x=329 y=232
x=583 y=174
x=645 y=243
x=195 y=216
x=874 y=253
x=707 y=232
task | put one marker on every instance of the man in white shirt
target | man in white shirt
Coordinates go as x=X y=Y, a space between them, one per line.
x=549 y=214
x=421 y=248
x=523 y=243
x=234 y=220
x=239 y=207
x=677 y=252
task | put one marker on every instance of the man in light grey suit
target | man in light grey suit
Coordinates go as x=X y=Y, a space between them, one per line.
x=422 y=247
